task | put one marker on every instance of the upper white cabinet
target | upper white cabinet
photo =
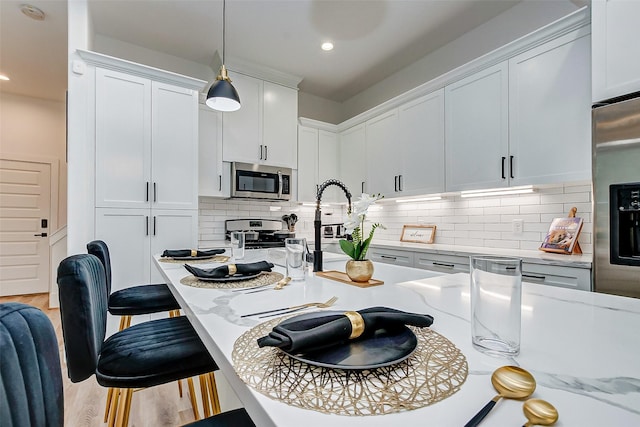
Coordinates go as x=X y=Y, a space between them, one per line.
x=213 y=173
x=146 y=143
x=477 y=130
x=353 y=159
x=383 y=154
x=264 y=130
x=317 y=162
x=550 y=112
x=616 y=51
x=421 y=145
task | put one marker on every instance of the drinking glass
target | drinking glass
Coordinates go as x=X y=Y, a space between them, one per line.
x=296 y=249
x=237 y=244
x=496 y=295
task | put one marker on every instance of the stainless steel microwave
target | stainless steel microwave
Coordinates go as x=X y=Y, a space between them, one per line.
x=253 y=181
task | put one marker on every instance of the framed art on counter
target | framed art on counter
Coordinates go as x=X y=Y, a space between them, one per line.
x=418 y=233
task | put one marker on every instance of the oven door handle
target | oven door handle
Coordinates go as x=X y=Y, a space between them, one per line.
x=279 y=185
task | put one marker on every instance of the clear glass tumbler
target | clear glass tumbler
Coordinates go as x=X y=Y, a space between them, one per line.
x=496 y=296
x=296 y=260
x=237 y=244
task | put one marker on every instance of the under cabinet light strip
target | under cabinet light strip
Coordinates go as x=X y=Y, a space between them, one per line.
x=419 y=199
x=498 y=191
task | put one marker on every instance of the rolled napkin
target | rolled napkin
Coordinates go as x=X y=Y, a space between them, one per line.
x=297 y=335
x=230 y=270
x=181 y=253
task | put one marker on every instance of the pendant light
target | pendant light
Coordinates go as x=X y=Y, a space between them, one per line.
x=222 y=96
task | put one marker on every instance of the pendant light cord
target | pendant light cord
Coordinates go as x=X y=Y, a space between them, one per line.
x=224 y=14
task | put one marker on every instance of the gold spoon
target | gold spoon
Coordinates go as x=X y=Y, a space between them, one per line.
x=511 y=382
x=539 y=413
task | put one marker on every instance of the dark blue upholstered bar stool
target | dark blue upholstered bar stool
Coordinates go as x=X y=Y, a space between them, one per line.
x=32 y=377
x=144 y=355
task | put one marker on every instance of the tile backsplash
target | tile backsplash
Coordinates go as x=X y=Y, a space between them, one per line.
x=483 y=221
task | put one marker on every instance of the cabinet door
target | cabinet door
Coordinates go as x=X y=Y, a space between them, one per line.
x=126 y=233
x=383 y=155
x=550 y=112
x=174 y=149
x=352 y=159
x=328 y=165
x=307 y=164
x=213 y=175
x=280 y=125
x=123 y=140
x=421 y=133
x=476 y=126
x=171 y=229
x=242 y=129
x=616 y=51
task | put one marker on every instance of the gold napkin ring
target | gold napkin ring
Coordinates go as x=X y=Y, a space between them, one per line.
x=232 y=269
x=194 y=253
x=357 y=324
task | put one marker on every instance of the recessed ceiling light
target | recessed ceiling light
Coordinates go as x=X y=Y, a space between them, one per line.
x=3 y=77
x=327 y=46
x=32 y=12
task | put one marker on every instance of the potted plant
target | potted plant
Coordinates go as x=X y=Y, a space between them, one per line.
x=359 y=268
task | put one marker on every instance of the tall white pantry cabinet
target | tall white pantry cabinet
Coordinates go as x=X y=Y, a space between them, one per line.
x=146 y=166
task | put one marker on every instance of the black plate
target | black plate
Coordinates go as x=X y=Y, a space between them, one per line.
x=236 y=278
x=383 y=349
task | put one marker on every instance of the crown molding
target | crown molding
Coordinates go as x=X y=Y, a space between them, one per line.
x=578 y=21
x=262 y=72
x=316 y=124
x=140 y=70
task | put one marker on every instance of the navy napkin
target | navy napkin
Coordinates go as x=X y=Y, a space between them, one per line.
x=223 y=270
x=297 y=335
x=187 y=252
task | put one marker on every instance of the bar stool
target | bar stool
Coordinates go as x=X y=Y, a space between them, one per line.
x=147 y=299
x=144 y=355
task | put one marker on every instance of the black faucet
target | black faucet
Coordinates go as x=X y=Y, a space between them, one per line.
x=317 y=223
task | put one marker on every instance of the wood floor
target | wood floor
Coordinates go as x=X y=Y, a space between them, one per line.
x=84 y=402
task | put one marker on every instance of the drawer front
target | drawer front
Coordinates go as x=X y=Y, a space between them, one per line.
x=391 y=256
x=442 y=263
x=553 y=275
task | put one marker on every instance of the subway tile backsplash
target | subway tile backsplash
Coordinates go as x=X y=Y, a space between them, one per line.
x=484 y=222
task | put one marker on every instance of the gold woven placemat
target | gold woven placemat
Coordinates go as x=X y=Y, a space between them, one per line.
x=436 y=370
x=267 y=278
x=215 y=258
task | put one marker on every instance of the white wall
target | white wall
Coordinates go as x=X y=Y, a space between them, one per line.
x=321 y=109
x=35 y=127
x=516 y=22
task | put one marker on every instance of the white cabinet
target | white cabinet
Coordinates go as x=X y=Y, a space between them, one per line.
x=146 y=143
x=383 y=154
x=264 y=129
x=444 y=263
x=317 y=162
x=616 y=51
x=550 y=112
x=353 y=167
x=477 y=130
x=213 y=173
x=421 y=145
x=134 y=235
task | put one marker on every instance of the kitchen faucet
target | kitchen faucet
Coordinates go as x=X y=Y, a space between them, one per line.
x=317 y=223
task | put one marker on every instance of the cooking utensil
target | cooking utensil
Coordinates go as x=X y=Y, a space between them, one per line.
x=511 y=382
x=539 y=413
x=291 y=309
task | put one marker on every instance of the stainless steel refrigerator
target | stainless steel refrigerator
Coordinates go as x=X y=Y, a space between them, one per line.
x=616 y=196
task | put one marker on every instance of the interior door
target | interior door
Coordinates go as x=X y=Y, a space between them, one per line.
x=25 y=204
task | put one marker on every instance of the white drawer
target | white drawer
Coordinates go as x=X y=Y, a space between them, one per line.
x=442 y=263
x=566 y=277
x=391 y=256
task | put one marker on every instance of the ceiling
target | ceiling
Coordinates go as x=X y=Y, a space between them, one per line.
x=373 y=38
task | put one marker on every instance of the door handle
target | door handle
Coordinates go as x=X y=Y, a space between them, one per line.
x=362 y=185
x=503 y=175
x=155 y=193
x=154 y=225
x=219 y=182
x=41 y=235
x=395 y=183
x=399 y=182
x=261 y=152
x=147 y=191
x=511 y=167
x=146 y=223
x=266 y=152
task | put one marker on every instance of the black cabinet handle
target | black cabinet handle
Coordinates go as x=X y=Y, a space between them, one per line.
x=444 y=265
x=146 y=221
x=155 y=192
x=147 y=191
x=261 y=152
x=266 y=152
x=503 y=175
x=219 y=182
x=395 y=183
x=362 y=186
x=41 y=235
x=511 y=167
x=154 y=225
x=534 y=276
x=399 y=182
x=388 y=257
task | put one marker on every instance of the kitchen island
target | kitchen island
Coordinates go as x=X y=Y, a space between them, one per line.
x=581 y=347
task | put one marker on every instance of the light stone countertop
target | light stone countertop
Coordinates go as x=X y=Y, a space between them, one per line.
x=582 y=347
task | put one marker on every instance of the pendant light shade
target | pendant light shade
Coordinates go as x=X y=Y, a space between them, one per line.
x=222 y=96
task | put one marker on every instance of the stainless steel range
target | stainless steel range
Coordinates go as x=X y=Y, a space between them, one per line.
x=259 y=233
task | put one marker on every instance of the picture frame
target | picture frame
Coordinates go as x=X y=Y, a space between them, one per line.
x=418 y=233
